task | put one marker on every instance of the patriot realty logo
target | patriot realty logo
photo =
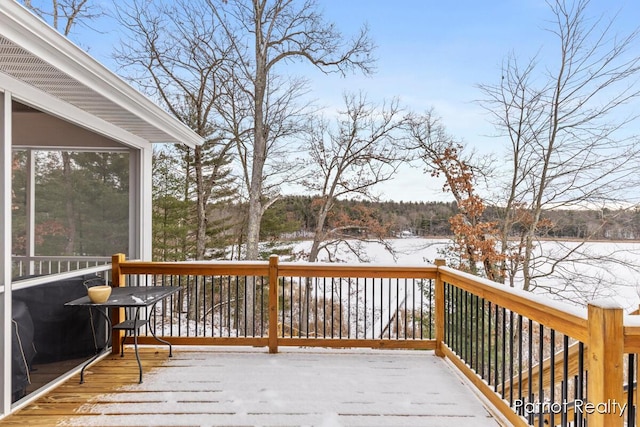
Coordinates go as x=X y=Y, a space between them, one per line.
x=611 y=406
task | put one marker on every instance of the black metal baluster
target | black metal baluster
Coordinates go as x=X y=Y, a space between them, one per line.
x=237 y=313
x=291 y=304
x=229 y=299
x=552 y=368
x=476 y=345
x=454 y=318
x=254 y=304
x=373 y=305
x=470 y=333
x=212 y=302
x=397 y=316
x=307 y=294
x=197 y=285
x=340 y=308
x=381 y=306
x=496 y=361
x=300 y=306
x=181 y=305
x=261 y=306
x=406 y=311
x=564 y=421
x=512 y=354
x=357 y=305
x=331 y=320
x=315 y=320
x=283 y=306
x=489 y=312
x=189 y=302
x=458 y=330
x=503 y=364
x=483 y=338
x=244 y=311
x=465 y=326
x=450 y=314
x=530 y=373
x=631 y=421
x=447 y=308
x=520 y=366
x=204 y=292
x=324 y=307
x=540 y=375
x=389 y=325
x=349 y=306
x=421 y=313
x=413 y=309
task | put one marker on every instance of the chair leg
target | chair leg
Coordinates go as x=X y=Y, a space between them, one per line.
x=124 y=337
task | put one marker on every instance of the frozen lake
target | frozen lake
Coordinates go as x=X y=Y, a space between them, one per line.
x=595 y=270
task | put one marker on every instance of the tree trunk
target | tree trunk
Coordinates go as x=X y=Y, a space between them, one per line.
x=201 y=214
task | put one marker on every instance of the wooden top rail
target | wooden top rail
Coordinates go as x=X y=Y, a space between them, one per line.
x=632 y=333
x=565 y=319
x=258 y=268
x=285 y=269
x=361 y=271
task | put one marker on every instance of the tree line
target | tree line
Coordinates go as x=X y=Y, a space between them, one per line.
x=293 y=217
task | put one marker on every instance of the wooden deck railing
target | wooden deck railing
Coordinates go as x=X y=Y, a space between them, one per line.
x=232 y=303
x=539 y=362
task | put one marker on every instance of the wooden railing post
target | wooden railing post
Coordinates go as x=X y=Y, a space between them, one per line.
x=605 y=367
x=273 y=304
x=440 y=308
x=117 y=314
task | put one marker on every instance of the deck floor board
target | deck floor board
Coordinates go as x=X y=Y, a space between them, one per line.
x=216 y=386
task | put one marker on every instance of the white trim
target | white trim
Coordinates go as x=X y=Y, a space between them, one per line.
x=40 y=280
x=31 y=209
x=26 y=30
x=146 y=200
x=140 y=200
x=135 y=205
x=5 y=251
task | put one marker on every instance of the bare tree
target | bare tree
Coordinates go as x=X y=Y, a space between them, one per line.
x=175 y=54
x=569 y=126
x=267 y=35
x=474 y=243
x=63 y=15
x=348 y=160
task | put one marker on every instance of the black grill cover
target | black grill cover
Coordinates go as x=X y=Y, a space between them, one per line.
x=23 y=349
x=61 y=332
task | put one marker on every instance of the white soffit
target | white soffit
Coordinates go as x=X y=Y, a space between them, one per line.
x=34 y=53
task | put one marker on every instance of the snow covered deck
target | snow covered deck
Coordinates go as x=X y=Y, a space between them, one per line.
x=212 y=386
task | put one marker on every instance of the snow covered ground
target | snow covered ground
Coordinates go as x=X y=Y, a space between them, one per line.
x=599 y=270
x=301 y=387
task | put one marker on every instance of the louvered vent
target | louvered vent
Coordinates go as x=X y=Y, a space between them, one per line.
x=23 y=65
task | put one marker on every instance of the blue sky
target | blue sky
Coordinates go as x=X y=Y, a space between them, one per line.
x=431 y=54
